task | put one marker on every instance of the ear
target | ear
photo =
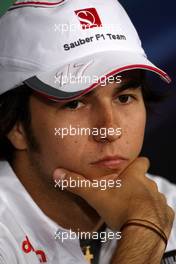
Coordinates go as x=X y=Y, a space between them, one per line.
x=17 y=137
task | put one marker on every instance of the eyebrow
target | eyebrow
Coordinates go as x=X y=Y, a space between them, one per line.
x=131 y=84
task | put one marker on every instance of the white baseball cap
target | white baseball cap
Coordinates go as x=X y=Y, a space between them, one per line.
x=62 y=49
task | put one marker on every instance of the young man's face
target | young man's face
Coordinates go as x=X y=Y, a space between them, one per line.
x=105 y=107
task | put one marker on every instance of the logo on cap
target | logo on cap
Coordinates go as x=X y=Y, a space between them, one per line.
x=88 y=18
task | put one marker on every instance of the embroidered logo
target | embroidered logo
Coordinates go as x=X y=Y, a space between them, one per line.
x=88 y=18
x=27 y=248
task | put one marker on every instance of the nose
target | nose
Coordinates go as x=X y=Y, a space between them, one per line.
x=107 y=124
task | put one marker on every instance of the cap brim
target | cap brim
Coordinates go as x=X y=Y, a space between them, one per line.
x=102 y=64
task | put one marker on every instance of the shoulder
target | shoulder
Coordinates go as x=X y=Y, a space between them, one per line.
x=11 y=229
x=169 y=190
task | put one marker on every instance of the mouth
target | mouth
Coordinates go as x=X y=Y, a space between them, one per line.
x=111 y=162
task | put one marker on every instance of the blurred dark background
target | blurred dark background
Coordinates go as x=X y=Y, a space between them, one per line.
x=156 y=24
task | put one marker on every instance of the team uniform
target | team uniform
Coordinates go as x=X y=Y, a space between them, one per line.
x=27 y=235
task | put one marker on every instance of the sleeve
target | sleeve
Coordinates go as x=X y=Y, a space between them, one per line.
x=169 y=190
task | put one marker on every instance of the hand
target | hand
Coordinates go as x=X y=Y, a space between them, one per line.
x=137 y=198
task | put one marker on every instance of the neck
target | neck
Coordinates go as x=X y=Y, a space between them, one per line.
x=60 y=206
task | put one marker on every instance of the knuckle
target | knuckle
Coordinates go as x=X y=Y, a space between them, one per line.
x=146 y=163
x=153 y=185
x=171 y=212
x=163 y=198
x=170 y=215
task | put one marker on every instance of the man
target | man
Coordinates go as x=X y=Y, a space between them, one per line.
x=64 y=67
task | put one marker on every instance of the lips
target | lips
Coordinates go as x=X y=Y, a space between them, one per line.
x=112 y=162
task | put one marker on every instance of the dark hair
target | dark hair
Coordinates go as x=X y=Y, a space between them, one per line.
x=14 y=106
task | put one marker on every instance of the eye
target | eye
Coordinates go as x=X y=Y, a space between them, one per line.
x=125 y=98
x=76 y=104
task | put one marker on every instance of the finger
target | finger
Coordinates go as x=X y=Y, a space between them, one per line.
x=140 y=166
x=76 y=183
x=67 y=178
